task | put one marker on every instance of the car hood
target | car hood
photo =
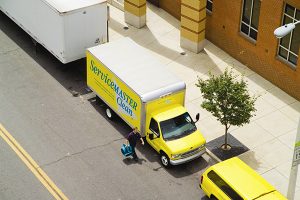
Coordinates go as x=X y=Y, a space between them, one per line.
x=186 y=143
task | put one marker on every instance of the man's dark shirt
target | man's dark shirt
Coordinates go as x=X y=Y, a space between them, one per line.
x=133 y=138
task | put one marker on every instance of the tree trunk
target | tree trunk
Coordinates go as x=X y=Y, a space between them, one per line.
x=226 y=130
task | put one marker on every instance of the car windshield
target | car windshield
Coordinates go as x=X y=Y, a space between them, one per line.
x=177 y=127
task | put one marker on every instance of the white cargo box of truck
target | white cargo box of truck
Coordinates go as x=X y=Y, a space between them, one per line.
x=138 y=88
x=131 y=79
x=64 y=27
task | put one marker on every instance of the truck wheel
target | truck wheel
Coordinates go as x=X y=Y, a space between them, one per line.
x=109 y=113
x=165 y=161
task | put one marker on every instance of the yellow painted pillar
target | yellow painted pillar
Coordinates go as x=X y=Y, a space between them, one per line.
x=192 y=30
x=135 y=12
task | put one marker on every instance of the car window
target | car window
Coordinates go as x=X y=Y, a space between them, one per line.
x=154 y=126
x=223 y=186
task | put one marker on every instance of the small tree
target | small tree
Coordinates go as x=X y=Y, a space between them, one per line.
x=227 y=99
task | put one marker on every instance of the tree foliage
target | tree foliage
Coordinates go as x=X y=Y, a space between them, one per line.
x=227 y=99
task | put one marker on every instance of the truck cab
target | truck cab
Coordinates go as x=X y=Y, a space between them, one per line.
x=173 y=134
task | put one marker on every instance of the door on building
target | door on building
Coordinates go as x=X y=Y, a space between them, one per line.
x=171 y=6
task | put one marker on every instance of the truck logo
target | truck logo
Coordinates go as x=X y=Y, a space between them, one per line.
x=125 y=103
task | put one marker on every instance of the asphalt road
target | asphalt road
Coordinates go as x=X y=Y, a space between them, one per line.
x=47 y=108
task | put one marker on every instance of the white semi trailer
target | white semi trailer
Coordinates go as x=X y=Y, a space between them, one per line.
x=66 y=28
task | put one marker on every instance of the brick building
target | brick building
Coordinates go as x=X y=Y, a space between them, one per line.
x=244 y=29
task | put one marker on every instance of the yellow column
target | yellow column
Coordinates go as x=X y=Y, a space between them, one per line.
x=192 y=30
x=135 y=12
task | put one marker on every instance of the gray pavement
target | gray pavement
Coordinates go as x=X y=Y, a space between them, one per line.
x=17 y=182
x=69 y=137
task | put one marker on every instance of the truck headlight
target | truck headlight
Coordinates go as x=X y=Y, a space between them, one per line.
x=174 y=156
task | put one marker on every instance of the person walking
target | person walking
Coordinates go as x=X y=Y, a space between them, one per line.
x=132 y=139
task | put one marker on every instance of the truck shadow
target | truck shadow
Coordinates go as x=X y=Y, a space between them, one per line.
x=205 y=198
x=147 y=155
x=186 y=169
x=71 y=76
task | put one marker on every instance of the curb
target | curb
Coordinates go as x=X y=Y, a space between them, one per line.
x=213 y=156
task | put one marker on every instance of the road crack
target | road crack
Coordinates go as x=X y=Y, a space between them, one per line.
x=68 y=155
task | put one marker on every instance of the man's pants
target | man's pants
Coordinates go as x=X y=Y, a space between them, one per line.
x=133 y=152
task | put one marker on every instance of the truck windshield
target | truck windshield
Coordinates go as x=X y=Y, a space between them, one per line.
x=177 y=127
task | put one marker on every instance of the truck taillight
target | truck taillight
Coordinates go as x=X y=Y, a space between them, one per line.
x=201 y=179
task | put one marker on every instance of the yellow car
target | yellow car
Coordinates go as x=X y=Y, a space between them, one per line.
x=232 y=179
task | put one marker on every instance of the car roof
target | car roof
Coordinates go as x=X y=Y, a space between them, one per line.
x=273 y=196
x=242 y=178
x=165 y=113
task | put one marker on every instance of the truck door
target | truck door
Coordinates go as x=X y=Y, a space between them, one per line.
x=153 y=129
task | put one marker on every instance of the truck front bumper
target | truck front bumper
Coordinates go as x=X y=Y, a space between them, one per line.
x=187 y=159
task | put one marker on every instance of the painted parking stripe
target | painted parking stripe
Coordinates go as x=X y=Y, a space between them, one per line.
x=32 y=165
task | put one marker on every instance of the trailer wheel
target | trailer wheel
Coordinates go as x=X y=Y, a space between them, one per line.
x=164 y=159
x=109 y=113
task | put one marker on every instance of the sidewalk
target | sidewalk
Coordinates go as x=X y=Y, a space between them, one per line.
x=271 y=133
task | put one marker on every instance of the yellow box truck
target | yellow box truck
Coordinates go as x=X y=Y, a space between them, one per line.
x=138 y=88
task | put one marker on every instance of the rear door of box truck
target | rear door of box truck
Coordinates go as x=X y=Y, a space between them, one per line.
x=84 y=28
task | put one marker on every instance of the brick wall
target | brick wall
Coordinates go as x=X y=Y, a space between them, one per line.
x=222 y=28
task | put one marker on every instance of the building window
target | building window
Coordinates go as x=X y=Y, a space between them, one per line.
x=209 y=5
x=289 y=44
x=250 y=18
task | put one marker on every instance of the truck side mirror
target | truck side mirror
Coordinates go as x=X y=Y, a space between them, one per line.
x=151 y=136
x=197 y=117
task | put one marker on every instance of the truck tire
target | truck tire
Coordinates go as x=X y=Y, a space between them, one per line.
x=164 y=159
x=109 y=113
